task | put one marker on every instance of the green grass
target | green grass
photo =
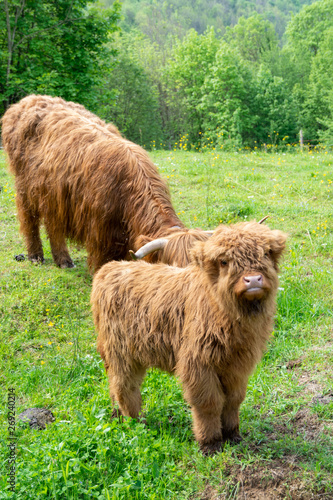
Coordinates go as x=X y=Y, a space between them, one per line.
x=48 y=353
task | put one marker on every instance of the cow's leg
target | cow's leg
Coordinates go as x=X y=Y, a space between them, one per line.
x=97 y=258
x=230 y=414
x=125 y=389
x=29 y=225
x=113 y=247
x=58 y=244
x=206 y=399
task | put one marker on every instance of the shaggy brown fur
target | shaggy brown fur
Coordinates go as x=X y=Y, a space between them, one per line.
x=208 y=323
x=82 y=179
x=178 y=248
x=46 y=102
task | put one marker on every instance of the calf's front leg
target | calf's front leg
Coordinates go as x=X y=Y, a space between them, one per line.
x=205 y=396
x=230 y=414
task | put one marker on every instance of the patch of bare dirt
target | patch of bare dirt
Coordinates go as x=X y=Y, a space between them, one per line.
x=278 y=482
x=282 y=479
x=323 y=348
x=323 y=399
x=309 y=384
x=295 y=363
x=304 y=422
x=309 y=424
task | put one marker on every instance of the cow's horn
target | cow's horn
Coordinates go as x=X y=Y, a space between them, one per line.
x=209 y=232
x=149 y=248
x=263 y=219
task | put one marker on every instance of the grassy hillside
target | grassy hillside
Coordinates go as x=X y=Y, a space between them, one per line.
x=158 y=19
x=48 y=354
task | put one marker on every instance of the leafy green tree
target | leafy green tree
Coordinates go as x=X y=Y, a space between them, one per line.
x=255 y=38
x=317 y=109
x=226 y=99
x=274 y=110
x=226 y=95
x=308 y=46
x=325 y=132
x=55 y=47
x=135 y=107
x=305 y=32
x=186 y=71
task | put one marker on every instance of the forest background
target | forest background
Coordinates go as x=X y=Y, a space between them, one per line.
x=233 y=74
x=187 y=75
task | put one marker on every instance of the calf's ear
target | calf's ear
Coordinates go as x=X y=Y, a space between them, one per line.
x=278 y=244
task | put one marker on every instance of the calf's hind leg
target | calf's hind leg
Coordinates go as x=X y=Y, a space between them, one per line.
x=125 y=389
x=29 y=225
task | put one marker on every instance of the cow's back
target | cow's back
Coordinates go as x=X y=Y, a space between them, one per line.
x=92 y=185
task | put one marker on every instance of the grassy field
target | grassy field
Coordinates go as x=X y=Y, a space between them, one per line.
x=48 y=354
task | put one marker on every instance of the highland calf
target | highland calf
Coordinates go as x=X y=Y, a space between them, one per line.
x=207 y=323
x=86 y=183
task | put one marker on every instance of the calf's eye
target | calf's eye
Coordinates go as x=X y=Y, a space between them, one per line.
x=223 y=263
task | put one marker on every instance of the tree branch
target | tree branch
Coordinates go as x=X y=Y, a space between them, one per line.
x=11 y=33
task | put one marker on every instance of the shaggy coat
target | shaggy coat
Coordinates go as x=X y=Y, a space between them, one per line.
x=207 y=323
x=84 y=181
x=177 y=250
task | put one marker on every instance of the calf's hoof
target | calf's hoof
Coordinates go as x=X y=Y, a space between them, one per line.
x=209 y=449
x=142 y=419
x=116 y=413
x=232 y=438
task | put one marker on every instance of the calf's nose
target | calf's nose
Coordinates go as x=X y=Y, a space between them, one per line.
x=253 y=281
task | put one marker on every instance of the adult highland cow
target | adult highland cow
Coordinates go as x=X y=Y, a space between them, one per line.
x=208 y=323
x=86 y=182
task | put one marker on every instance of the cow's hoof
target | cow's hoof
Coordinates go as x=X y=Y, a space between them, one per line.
x=68 y=264
x=210 y=449
x=36 y=258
